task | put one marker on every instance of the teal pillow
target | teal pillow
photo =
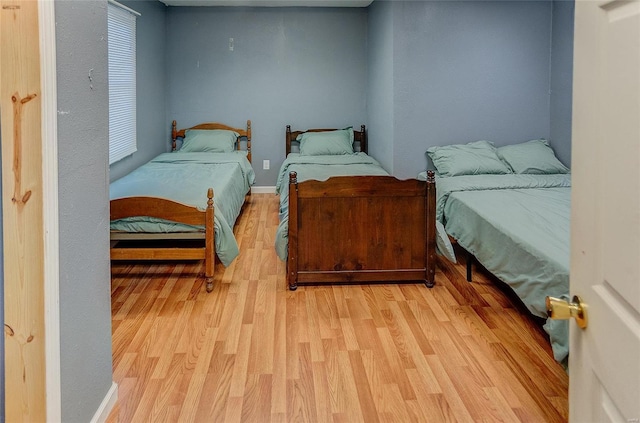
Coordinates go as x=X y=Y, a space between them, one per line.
x=474 y=158
x=209 y=140
x=535 y=156
x=326 y=142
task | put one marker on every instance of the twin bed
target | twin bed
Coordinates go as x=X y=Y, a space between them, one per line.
x=344 y=219
x=509 y=207
x=183 y=205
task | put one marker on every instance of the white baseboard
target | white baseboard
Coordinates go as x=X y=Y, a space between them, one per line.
x=102 y=413
x=263 y=190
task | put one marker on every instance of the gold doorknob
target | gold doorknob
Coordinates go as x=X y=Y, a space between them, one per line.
x=559 y=309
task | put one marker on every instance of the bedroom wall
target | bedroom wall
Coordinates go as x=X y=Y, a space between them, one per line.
x=153 y=130
x=305 y=67
x=380 y=93
x=83 y=182
x=465 y=71
x=562 y=79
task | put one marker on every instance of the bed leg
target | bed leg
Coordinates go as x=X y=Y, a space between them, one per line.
x=209 y=284
x=293 y=286
x=210 y=250
x=430 y=284
x=469 y=260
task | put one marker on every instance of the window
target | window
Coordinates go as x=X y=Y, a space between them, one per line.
x=122 y=81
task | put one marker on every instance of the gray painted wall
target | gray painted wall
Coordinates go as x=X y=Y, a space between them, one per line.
x=465 y=71
x=562 y=79
x=380 y=94
x=299 y=66
x=83 y=178
x=153 y=130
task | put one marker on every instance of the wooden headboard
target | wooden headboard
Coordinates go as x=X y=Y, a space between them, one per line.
x=175 y=133
x=358 y=137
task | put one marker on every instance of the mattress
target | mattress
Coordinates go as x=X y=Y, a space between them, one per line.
x=185 y=178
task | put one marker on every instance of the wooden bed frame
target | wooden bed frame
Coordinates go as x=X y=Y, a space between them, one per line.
x=360 y=229
x=177 y=212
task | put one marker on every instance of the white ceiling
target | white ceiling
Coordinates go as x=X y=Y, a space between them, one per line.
x=270 y=3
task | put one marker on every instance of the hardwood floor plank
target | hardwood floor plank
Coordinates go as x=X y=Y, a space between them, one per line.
x=194 y=392
x=278 y=398
x=256 y=405
x=253 y=351
x=393 y=356
x=241 y=363
x=393 y=408
x=322 y=391
x=315 y=340
x=172 y=342
x=452 y=396
x=301 y=390
x=430 y=407
x=365 y=398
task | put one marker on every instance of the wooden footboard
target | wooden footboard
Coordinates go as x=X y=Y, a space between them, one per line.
x=168 y=210
x=361 y=229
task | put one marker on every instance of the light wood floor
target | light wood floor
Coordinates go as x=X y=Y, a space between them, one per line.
x=252 y=351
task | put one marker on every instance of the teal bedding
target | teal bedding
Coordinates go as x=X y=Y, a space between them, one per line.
x=185 y=178
x=517 y=226
x=318 y=168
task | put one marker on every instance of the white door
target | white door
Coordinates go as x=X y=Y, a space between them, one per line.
x=604 y=359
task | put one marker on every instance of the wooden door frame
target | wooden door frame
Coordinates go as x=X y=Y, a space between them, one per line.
x=48 y=78
x=48 y=230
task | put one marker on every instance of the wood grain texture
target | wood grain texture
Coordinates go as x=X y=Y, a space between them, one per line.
x=161 y=208
x=22 y=213
x=253 y=351
x=356 y=229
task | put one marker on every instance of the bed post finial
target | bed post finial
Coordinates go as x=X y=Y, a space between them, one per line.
x=431 y=176
x=174 y=134
x=248 y=139
x=293 y=177
x=210 y=197
x=288 y=139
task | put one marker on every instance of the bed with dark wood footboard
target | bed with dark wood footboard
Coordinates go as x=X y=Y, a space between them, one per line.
x=344 y=219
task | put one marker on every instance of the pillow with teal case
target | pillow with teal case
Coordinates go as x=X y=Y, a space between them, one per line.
x=326 y=142
x=535 y=156
x=474 y=158
x=209 y=140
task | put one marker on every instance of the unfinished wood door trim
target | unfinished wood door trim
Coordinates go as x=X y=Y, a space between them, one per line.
x=28 y=103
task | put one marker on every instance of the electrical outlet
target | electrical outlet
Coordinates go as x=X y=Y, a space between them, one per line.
x=230 y=44
x=265 y=164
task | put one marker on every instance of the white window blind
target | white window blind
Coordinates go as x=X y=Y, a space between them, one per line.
x=122 y=82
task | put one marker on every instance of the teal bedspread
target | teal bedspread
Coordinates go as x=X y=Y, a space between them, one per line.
x=318 y=168
x=517 y=226
x=185 y=178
